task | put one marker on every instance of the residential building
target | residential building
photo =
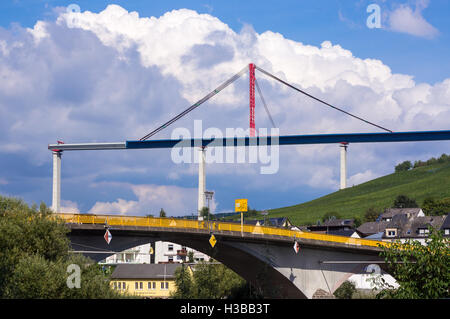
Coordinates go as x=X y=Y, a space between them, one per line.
x=389 y=213
x=145 y=280
x=283 y=222
x=343 y=227
x=155 y=253
x=445 y=228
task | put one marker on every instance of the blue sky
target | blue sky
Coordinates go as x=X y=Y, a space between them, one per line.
x=117 y=74
x=309 y=22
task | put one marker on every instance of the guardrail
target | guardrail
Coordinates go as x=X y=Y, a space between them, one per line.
x=115 y=220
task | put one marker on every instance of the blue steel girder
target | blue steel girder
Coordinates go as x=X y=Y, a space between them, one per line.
x=294 y=139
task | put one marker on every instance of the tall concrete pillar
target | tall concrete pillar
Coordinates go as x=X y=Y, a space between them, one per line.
x=201 y=180
x=56 y=194
x=344 y=146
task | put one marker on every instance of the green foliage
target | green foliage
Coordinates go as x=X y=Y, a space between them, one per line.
x=357 y=222
x=162 y=213
x=209 y=281
x=371 y=215
x=330 y=215
x=422 y=271
x=406 y=165
x=251 y=212
x=403 y=201
x=345 y=291
x=436 y=207
x=379 y=193
x=444 y=158
x=183 y=282
x=206 y=214
x=34 y=256
x=190 y=256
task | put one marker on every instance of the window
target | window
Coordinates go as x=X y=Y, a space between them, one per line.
x=423 y=231
x=136 y=285
x=162 y=285
x=170 y=258
x=149 y=285
x=154 y=285
x=115 y=285
x=391 y=232
x=120 y=285
x=170 y=247
x=167 y=285
x=141 y=285
x=447 y=231
x=124 y=286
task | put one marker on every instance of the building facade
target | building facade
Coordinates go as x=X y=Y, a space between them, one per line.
x=155 y=253
x=145 y=280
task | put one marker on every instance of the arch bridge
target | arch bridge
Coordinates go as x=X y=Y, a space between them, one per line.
x=262 y=255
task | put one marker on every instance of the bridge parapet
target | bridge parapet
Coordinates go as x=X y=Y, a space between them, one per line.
x=213 y=226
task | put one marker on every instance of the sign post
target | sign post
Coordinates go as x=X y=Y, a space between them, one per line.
x=241 y=205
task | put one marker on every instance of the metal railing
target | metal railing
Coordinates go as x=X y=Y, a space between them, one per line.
x=115 y=220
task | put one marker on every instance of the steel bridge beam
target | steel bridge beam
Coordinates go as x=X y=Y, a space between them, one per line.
x=277 y=140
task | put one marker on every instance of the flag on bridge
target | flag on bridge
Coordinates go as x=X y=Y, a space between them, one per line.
x=107 y=236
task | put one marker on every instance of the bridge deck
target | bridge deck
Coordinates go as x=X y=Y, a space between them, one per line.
x=174 y=223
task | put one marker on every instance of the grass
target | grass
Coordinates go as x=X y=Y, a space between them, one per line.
x=418 y=183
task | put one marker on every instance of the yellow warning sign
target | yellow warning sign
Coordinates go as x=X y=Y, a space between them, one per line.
x=240 y=205
x=212 y=241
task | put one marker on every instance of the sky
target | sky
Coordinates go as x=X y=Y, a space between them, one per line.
x=100 y=71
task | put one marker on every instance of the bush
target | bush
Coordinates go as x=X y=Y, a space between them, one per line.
x=406 y=165
x=403 y=201
x=345 y=291
x=34 y=257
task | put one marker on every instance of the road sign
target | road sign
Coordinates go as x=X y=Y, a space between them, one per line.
x=296 y=247
x=240 y=205
x=212 y=241
x=107 y=236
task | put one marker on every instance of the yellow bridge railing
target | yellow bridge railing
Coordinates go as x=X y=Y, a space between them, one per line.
x=116 y=220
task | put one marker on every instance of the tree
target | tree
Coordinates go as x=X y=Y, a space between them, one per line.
x=422 y=271
x=436 y=207
x=403 y=201
x=402 y=167
x=34 y=256
x=162 y=213
x=209 y=281
x=183 y=282
x=204 y=212
x=190 y=256
x=371 y=215
x=330 y=215
x=346 y=290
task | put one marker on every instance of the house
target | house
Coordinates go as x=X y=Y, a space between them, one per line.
x=389 y=218
x=403 y=224
x=372 y=229
x=333 y=225
x=445 y=228
x=389 y=213
x=283 y=222
x=154 y=253
x=403 y=228
x=145 y=280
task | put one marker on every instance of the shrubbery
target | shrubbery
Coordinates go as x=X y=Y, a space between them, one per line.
x=406 y=165
x=34 y=257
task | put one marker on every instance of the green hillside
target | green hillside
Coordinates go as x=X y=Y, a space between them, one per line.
x=418 y=183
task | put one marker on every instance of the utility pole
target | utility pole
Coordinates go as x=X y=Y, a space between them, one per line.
x=201 y=181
